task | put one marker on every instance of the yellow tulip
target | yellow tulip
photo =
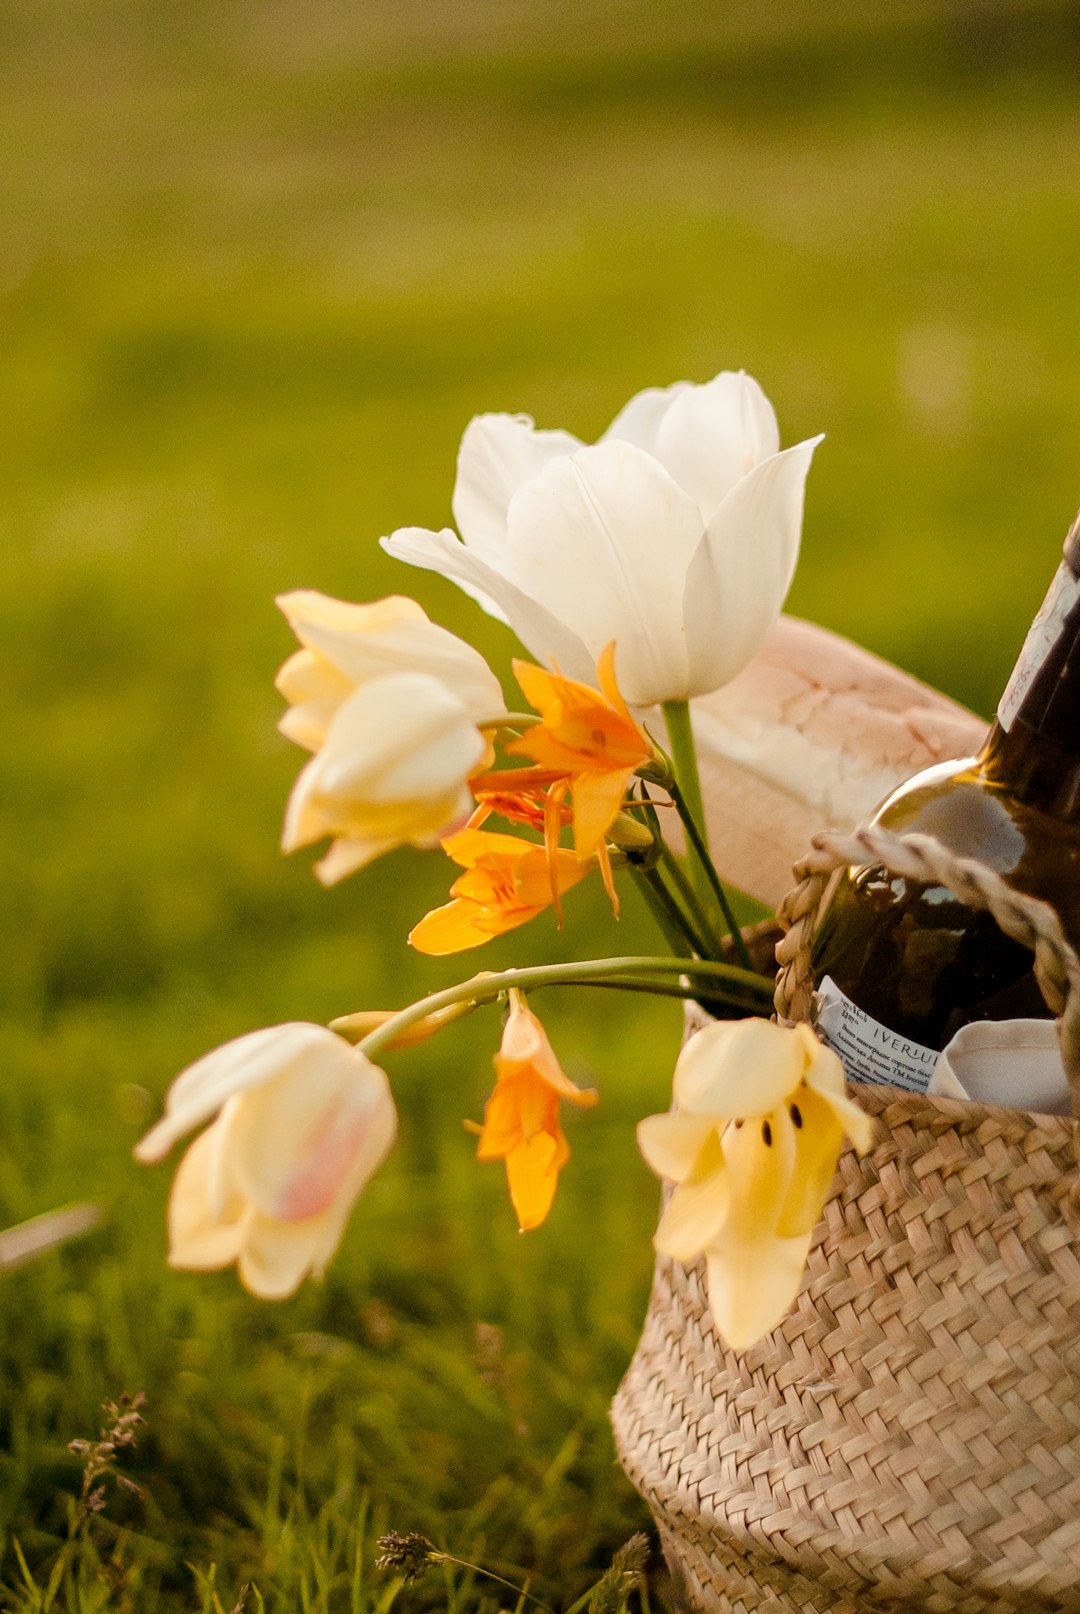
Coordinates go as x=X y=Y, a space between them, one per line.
x=346 y=646
x=300 y=1122
x=393 y=769
x=390 y=705
x=761 y=1115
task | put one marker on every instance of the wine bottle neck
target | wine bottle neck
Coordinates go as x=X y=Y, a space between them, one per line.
x=1033 y=747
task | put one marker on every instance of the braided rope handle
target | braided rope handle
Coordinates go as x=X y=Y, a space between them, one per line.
x=919 y=857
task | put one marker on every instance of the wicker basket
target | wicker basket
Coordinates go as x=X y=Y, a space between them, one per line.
x=909 y=1437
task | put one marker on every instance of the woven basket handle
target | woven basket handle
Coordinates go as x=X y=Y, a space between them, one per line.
x=919 y=857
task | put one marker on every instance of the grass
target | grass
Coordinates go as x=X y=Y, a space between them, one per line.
x=258 y=267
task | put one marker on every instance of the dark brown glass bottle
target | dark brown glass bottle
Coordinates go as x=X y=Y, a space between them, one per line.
x=900 y=967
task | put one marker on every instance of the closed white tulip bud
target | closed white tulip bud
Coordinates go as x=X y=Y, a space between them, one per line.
x=302 y=1122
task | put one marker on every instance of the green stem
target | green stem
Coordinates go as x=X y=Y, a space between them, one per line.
x=686 y=933
x=743 y=984
x=684 y=756
x=704 y=922
x=674 y=934
x=508 y=720
x=705 y=863
x=752 y=1005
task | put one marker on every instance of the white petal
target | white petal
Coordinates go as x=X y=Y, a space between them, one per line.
x=352 y=852
x=541 y=632
x=364 y=642
x=402 y=738
x=639 y=421
x=308 y=676
x=307 y=724
x=738 y=1068
x=202 y=1236
x=277 y=1256
x=737 y=581
x=498 y=455
x=672 y=1142
x=712 y=436
x=313 y=1137
x=602 y=539
x=236 y=1067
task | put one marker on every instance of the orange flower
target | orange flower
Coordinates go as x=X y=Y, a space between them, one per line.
x=587 y=737
x=521 y=1118
x=506 y=883
x=518 y=795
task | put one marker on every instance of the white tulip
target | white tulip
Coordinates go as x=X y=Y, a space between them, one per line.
x=346 y=646
x=303 y=1121
x=676 y=535
x=392 y=768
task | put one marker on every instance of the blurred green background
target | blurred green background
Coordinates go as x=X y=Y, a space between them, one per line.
x=259 y=263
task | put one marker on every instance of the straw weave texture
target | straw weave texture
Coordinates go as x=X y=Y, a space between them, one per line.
x=909 y=1437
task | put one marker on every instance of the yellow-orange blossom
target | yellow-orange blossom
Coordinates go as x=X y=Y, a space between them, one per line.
x=521 y=1118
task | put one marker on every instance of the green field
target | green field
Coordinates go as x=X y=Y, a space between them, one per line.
x=258 y=266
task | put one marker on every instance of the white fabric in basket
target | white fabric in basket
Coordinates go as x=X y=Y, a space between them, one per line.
x=1012 y=1062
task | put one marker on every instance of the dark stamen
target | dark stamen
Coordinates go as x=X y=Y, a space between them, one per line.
x=796 y=1115
x=766 y=1134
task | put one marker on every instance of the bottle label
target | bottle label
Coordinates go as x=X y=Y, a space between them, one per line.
x=1042 y=637
x=869 y=1051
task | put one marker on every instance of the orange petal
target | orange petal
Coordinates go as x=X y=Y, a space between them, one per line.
x=532 y=1172
x=605 y=672
x=598 y=798
x=604 y=862
x=501 y=1131
x=452 y=928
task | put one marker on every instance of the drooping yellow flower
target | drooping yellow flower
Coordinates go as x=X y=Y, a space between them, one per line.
x=506 y=883
x=299 y=1122
x=521 y=1118
x=761 y=1114
x=589 y=737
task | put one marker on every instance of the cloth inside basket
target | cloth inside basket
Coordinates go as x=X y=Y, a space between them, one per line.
x=1016 y=1063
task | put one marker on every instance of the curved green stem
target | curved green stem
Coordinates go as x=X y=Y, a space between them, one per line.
x=508 y=720
x=754 y=992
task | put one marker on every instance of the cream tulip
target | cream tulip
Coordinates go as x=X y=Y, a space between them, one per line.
x=676 y=535
x=392 y=769
x=761 y=1114
x=345 y=646
x=302 y=1122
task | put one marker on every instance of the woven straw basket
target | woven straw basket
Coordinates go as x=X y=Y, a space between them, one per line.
x=909 y=1437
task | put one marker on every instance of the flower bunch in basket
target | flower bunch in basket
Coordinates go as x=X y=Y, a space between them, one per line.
x=639 y=573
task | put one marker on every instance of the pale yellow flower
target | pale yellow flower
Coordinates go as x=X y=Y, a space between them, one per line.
x=300 y=1122
x=390 y=704
x=761 y=1114
x=393 y=769
x=346 y=646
